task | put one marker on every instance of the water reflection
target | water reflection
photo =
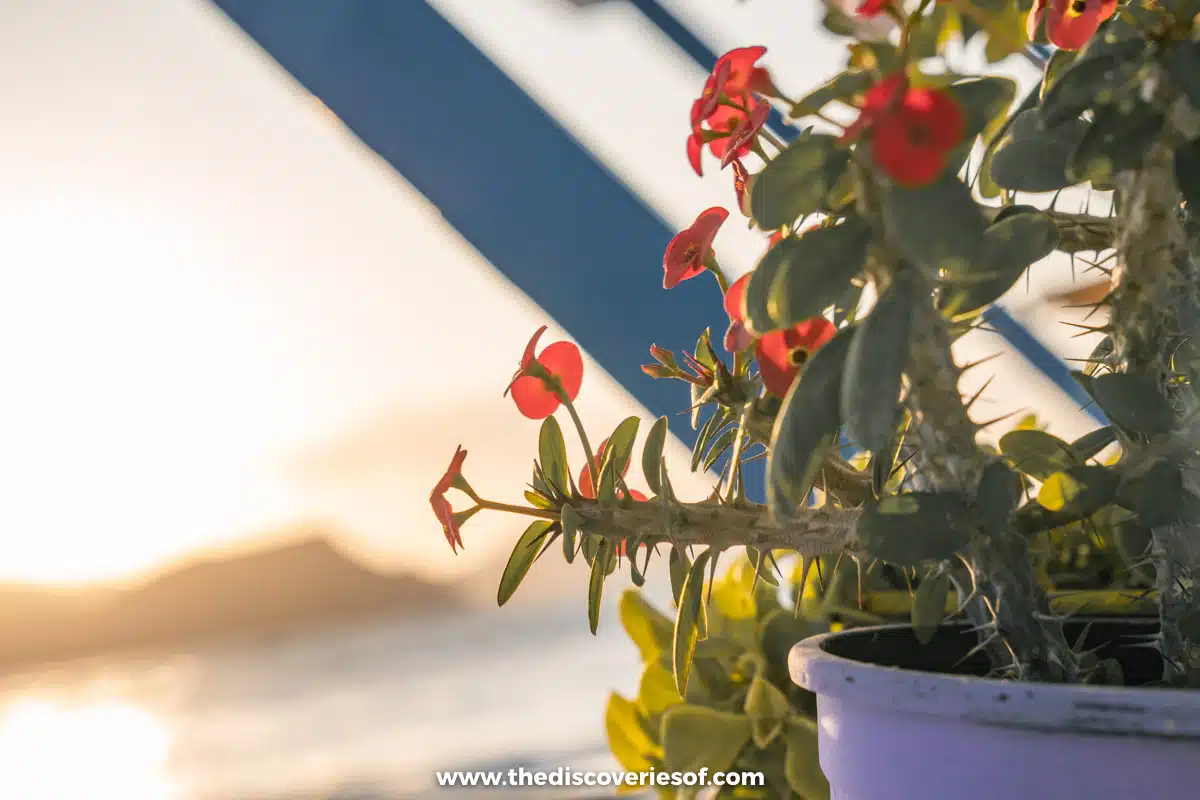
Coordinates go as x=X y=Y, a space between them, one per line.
x=75 y=752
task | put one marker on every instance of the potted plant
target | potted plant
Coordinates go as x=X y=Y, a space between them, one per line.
x=892 y=229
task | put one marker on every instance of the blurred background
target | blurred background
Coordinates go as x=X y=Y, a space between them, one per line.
x=266 y=264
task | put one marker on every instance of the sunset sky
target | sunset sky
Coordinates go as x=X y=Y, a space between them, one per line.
x=215 y=297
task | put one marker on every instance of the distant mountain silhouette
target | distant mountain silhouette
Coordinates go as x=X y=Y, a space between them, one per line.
x=286 y=588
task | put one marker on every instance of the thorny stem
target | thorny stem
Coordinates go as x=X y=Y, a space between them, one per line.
x=1155 y=307
x=812 y=532
x=1006 y=593
x=527 y=511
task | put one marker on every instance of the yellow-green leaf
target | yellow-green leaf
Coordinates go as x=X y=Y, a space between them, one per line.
x=733 y=595
x=802 y=767
x=657 y=692
x=695 y=737
x=687 y=622
x=649 y=628
x=628 y=737
x=768 y=709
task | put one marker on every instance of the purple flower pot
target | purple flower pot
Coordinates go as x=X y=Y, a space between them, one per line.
x=896 y=720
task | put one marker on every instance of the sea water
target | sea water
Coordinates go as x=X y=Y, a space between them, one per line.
x=371 y=710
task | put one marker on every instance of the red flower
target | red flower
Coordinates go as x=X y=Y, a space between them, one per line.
x=912 y=129
x=687 y=252
x=534 y=387
x=743 y=181
x=706 y=106
x=737 y=337
x=781 y=354
x=872 y=8
x=1069 y=23
x=441 y=506
x=742 y=137
x=735 y=78
x=742 y=75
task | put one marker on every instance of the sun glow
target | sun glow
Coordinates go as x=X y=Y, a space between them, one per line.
x=54 y=752
x=136 y=410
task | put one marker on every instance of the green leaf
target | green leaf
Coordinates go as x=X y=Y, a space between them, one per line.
x=1105 y=72
x=650 y=629
x=1010 y=246
x=695 y=737
x=875 y=362
x=656 y=692
x=1079 y=491
x=1090 y=444
x=1117 y=140
x=552 y=452
x=1131 y=400
x=929 y=606
x=1183 y=62
x=1009 y=19
x=652 y=452
x=801 y=767
x=718 y=420
x=806 y=426
x=778 y=633
x=1037 y=453
x=931 y=33
x=616 y=458
x=843 y=86
x=758 y=289
x=817 y=272
x=996 y=498
x=521 y=559
x=938 y=226
x=768 y=710
x=687 y=622
x=985 y=102
x=1058 y=63
x=606 y=558
x=909 y=529
x=571 y=524
x=797 y=181
x=1031 y=158
x=1162 y=498
x=719 y=447
x=1133 y=539
x=628 y=737
x=678 y=564
x=589 y=546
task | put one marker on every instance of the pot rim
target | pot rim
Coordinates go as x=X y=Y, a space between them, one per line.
x=1051 y=708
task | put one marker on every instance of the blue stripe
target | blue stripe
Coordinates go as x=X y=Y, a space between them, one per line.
x=526 y=195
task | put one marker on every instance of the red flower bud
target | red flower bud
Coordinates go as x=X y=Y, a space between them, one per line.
x=441 y=506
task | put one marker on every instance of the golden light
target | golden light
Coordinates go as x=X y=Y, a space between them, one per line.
x=137 y=407
x=55 y=752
